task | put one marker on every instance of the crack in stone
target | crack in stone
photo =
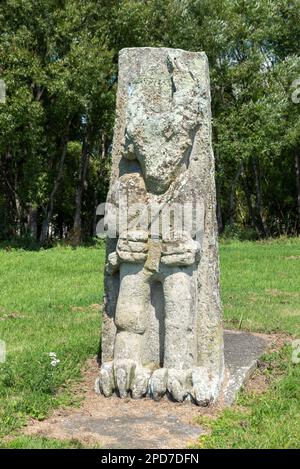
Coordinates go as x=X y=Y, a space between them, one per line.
x=170 y=67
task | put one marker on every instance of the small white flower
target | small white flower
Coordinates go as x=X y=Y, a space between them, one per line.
x=55 y=362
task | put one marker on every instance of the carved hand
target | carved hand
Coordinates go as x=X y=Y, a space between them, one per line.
x=132 y=246
x=180 y=249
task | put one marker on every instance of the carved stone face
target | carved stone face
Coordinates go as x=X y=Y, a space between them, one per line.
x=161 y=121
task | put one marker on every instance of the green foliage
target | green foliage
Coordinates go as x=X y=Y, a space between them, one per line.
x=58 y=73
x=236 y=231
x=59 y=61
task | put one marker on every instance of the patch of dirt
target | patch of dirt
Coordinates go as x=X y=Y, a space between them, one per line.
x=259 y=382
x=11 y=316
x=275 y=292
x=93 y=307
x=127 y=423
x=276 y=341
x=96 y=306
x=122 y=423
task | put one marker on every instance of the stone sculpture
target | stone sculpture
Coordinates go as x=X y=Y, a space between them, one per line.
x=162 y=325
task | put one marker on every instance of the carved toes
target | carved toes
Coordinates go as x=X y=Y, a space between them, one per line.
x=124 y=377
x=140 y=382
x=127 y=378
x=123 y=374
x=205 y=386
x=158 y=383
x=197 y=385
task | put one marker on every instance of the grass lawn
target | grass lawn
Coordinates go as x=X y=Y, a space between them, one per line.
x=261 y=285
x=49 y=302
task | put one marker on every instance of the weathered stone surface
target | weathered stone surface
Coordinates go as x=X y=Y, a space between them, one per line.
x=242 y=350
x=158 y=383
x=162 y=330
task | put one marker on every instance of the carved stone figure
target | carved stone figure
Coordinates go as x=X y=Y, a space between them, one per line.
x=162 y=326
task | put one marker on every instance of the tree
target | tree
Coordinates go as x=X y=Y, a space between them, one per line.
x=59 y=62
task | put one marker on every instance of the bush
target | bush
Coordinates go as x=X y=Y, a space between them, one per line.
x=240 y=233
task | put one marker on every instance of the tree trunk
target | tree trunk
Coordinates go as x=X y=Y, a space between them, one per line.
x=83 y=166
x=259 y=205
x=232 y=198
x=32 y=222
x=49 y=209
x=218 y=196
x=252 y=216
x=94 y=228
x=9 y=196
x=297 y=173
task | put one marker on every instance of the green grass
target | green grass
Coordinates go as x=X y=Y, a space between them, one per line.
x=269 y=420
x=261 y=285
x=261 y=292
x=47 y=304
x=28 y=442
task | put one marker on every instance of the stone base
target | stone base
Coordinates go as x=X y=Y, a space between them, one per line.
x=241 y=353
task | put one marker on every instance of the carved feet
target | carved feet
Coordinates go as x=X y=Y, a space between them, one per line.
x=130 y=379
x=124 y=377
x=196 y=384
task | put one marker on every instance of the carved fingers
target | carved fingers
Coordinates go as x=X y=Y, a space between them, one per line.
x=180 y=249
x=133 y=246
x=177 y=249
